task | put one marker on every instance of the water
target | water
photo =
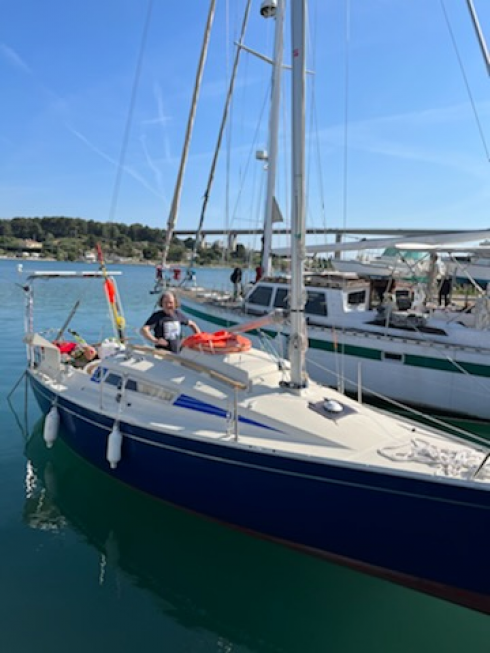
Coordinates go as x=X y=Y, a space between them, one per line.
x=87 y=564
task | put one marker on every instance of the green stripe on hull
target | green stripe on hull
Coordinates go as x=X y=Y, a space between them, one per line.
x=348 y=350
x=473 y=369
x=218 y=321
x=410 y=360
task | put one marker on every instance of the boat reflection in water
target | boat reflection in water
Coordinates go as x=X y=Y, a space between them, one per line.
x=209 y=578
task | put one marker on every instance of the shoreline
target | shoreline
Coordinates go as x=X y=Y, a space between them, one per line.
x=32 y=259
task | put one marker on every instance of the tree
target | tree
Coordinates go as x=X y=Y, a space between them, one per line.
x=176 y=252
x=150 y=252
x=5 y=228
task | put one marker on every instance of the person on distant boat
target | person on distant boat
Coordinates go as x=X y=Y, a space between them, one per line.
x=383 y=286
x=445 y=291
x=164 y=327
x=259 y=273
x=236 y=280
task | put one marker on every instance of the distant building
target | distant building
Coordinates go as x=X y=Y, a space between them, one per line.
x=29 y=245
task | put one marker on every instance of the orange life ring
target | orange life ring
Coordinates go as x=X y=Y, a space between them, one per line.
x=220 y=342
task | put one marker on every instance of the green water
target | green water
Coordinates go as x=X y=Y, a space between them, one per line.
x=88 y=565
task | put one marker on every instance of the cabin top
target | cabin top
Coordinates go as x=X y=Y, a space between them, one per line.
x=331 y=279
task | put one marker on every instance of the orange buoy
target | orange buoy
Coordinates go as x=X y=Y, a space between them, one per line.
x=220 y=342
x=110 y=290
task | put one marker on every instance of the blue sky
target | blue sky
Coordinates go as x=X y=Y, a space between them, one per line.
x=413 y=153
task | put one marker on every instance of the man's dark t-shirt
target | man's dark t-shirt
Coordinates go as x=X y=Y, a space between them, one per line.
x=168 y=327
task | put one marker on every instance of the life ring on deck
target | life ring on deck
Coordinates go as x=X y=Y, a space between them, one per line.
x=220 y=342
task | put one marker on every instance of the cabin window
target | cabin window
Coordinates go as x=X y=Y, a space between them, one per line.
x=149 y=390
x=396 y=358
x=261 y=296
x=38 y=356
x=155 y=391
x=98 y=374
x=356 y=298
x=281 y=299
x=316 y=303
x=113 y=379
x=131 y=385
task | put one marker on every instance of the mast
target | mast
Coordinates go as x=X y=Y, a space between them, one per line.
x=172 y=218
x=298 y=341
x=479 y=34
x=273 y=135
x=229 y=95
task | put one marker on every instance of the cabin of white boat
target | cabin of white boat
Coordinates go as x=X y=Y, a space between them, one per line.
x=326 y=293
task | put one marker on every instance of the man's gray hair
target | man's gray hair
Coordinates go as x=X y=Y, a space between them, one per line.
x=165 y=295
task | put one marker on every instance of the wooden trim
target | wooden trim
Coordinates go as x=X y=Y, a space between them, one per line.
x=197 y=367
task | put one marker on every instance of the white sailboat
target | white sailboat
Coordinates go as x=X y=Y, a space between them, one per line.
x=470 y=267
x=464 y=265
x=402 y=349
x=407 y=350
x=250 y=441
x=390 y=264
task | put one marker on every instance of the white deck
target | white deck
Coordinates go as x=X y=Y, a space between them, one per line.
x=359 y=435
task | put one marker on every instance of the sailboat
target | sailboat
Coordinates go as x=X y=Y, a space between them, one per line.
x=472 y=266
x=390 y=264
x=395 y=346
x=467 y=266
x=250 y=441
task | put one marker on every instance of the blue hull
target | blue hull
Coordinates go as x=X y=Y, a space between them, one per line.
x=429 y=535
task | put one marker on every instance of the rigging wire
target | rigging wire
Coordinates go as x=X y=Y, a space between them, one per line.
x=316 y=153
x=253 y=147
x=224 y=123
x=466 y=82
x=129 y=118
x=346 y=112
x=341 y=350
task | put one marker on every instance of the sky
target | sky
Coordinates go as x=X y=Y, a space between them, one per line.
x=93 y=115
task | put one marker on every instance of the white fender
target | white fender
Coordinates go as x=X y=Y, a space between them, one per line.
x=114 y=445
x=51 y=426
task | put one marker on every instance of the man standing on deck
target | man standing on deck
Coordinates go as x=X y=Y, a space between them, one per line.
x=164 y=327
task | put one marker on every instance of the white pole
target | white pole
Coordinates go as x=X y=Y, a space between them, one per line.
x=273 y=136
x=298 y=341
x=359 y=383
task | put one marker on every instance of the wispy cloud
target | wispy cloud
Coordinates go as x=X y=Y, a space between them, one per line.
x=395 y=136
x=153 y=167
x=14 y=58
x=130 y=171
x=162 y=119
